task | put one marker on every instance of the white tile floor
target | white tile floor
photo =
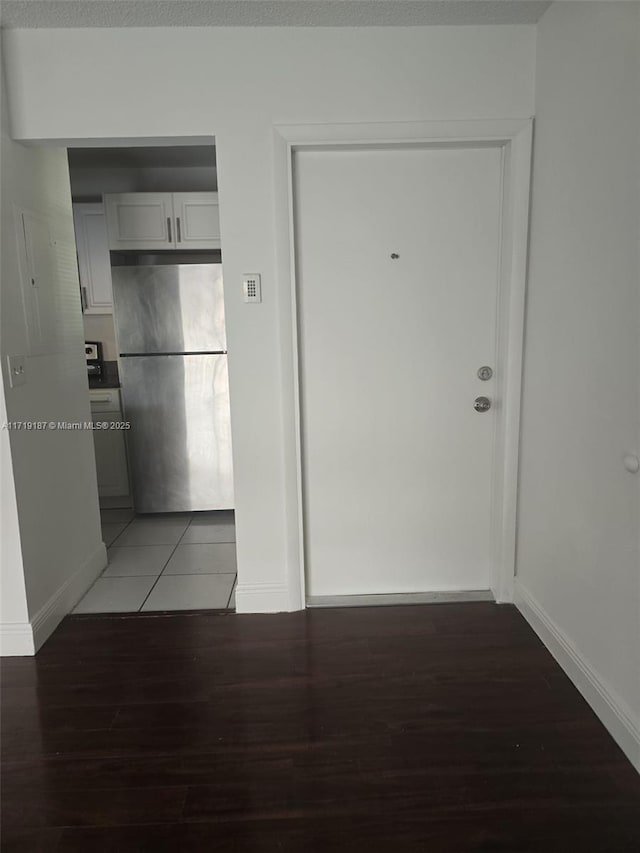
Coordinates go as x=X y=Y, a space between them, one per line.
x=178 y=561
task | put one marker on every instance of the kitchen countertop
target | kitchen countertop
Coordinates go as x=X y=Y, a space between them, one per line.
x=97 y=384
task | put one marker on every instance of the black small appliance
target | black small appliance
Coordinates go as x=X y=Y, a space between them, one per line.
x=95 y=362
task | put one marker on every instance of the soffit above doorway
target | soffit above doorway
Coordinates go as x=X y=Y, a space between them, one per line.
x=53 y=14
x=143 y=157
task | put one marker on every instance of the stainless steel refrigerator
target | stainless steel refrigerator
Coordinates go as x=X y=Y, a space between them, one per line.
x=175 y=388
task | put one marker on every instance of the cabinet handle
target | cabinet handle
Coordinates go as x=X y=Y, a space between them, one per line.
x=85 y=301
x=178 y=229
x=169 y=228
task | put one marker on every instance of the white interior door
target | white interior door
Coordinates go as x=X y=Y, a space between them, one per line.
x=397 y=257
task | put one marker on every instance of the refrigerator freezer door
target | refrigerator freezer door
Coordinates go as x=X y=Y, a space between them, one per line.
x=179 y=443
x=169 y=309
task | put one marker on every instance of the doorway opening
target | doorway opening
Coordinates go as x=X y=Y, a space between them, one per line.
x=146 y=222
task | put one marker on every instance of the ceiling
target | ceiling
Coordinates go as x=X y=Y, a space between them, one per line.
x=262 y=13
x=142 y=158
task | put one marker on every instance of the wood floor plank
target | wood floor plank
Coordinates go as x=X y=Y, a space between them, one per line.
x=445 y=728
x=20 y=840
x=52 y=807
x=565 y=831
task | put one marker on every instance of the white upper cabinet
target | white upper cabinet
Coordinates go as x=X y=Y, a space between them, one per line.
x=163 y=221
x=94 y=267
x=140 y=220
x=197 y=220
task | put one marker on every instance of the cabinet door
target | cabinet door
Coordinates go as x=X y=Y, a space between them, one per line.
x=111 y=457
x=140 y=220
x=105 y=400
x=94 y=266
x=197 y=220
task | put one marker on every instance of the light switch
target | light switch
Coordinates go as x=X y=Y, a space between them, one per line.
x=17 y=366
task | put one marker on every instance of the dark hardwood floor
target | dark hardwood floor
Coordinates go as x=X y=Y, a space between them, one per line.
x=435 y=728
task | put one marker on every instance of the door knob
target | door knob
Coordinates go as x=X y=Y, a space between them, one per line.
x=482 y=404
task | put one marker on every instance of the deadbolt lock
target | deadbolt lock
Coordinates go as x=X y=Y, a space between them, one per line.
x=485 y=373
x=482 y=404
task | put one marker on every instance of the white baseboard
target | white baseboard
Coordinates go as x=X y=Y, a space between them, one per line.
x=262 y=598
x=25 y=638
x=62 y=602
x=614 y=713
x=16 y=639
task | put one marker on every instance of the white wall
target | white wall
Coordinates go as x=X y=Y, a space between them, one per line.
x=90 y=184
x=100 y=83
x=16 y=636
x=578 y=554
x=54 y=471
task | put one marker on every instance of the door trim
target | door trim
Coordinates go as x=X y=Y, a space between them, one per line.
x=514 y=138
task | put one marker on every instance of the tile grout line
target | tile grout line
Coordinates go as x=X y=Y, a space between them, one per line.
x=168 y=560
x=155 y=583
x=121 y=532
x=101 y=575
x=184 y=532
x=113 y=545
x=233 y=586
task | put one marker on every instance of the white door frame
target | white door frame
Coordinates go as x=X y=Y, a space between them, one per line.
x=514 y=138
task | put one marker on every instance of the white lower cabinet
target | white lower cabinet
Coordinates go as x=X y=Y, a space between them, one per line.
x=111 y=454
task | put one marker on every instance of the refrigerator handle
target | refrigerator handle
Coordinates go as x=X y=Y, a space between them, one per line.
x=178 y=231
x=169 y=229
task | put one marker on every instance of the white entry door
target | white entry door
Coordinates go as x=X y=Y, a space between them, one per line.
x=397 y=264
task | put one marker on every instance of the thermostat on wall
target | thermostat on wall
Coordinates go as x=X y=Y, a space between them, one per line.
x=251 y=289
